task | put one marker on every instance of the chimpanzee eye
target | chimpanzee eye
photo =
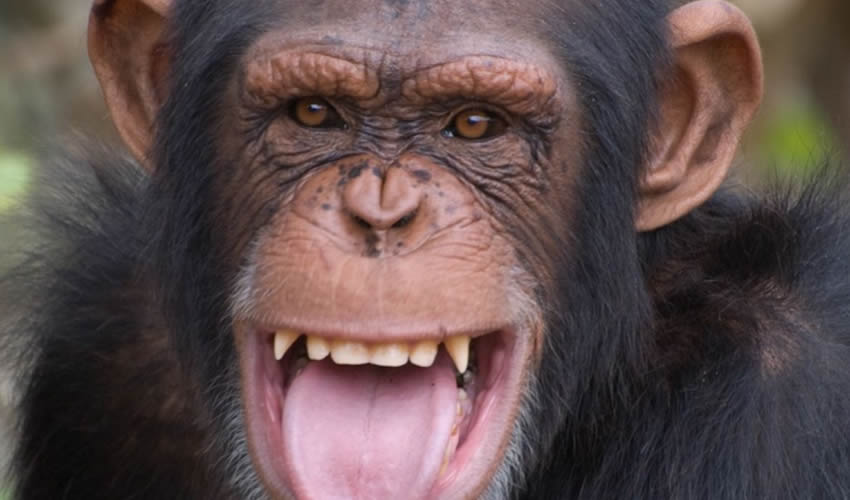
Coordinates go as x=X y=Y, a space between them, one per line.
x=315 y=112
x=475 y=125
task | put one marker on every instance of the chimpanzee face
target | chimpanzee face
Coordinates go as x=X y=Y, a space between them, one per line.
x=393 y=197
x=385 y=314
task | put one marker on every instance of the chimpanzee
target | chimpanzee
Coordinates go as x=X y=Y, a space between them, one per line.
x=425 y=249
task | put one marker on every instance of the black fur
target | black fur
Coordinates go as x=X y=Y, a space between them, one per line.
x=708 y=360
x=105 y=410
x=742 y=392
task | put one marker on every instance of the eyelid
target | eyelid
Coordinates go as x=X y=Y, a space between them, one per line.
x=496 y=115
x=336 y=120
x=490 y=109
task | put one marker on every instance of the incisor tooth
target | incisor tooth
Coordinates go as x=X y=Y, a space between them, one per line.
x=349 y=353
x=458 y=348
x=393 y=355
x=317 y=348
x=283 y=340
x=424 y=353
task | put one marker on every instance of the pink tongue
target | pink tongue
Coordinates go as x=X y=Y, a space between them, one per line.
x=368 y=433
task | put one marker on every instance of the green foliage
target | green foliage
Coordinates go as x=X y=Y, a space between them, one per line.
x=15 y=174
x=796 y=141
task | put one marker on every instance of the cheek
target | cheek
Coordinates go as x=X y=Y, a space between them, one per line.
x=547 y=232
x=246 y=203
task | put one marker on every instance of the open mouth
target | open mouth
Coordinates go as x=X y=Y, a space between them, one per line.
x=344 y=418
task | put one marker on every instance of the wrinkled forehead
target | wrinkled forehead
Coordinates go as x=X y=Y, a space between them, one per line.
x=424 y=14
x=407 y=26
x=403 y=37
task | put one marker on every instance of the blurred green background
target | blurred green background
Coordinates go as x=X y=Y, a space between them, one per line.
x=48 y=94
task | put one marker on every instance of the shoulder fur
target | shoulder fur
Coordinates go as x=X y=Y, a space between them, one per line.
x=103 y=401
x=752 y=342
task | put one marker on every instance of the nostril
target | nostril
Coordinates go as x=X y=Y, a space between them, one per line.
x=360 y=221
x=401 y=223
x=390 y=202
x=405 y=221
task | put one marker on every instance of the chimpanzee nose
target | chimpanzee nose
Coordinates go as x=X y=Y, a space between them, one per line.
x=383 y=200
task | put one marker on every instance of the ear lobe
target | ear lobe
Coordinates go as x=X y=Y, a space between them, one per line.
x=130 y=57
x=706 y=105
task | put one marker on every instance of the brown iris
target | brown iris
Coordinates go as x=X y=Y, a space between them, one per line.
x=315 y=112
x=476 y=124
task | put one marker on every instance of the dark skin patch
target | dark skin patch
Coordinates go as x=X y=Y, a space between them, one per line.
x=372 y=249
x=326 y=206
x=422 y=175
x=400 y=6
x=332 y=40
x=391 y=78
x=377 y=172
x=347 y=175
x=356 y=171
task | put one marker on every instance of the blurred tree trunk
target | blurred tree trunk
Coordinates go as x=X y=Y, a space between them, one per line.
x=827 y=64
x=807 y=56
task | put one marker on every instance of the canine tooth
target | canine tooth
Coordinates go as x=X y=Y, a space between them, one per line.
x=458 y=348
x=283 y=340
x=424 y=353
x=317 y=348
x=393 y=355
x=349 y=353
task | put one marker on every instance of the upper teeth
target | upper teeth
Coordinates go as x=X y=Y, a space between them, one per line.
x=282 y=342
x=346 y=352
x=458 y=348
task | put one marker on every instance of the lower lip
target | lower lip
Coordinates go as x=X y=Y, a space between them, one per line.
x=492 y=356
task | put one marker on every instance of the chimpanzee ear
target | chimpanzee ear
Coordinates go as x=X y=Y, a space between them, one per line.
x=714 y=90
x=130 y=56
